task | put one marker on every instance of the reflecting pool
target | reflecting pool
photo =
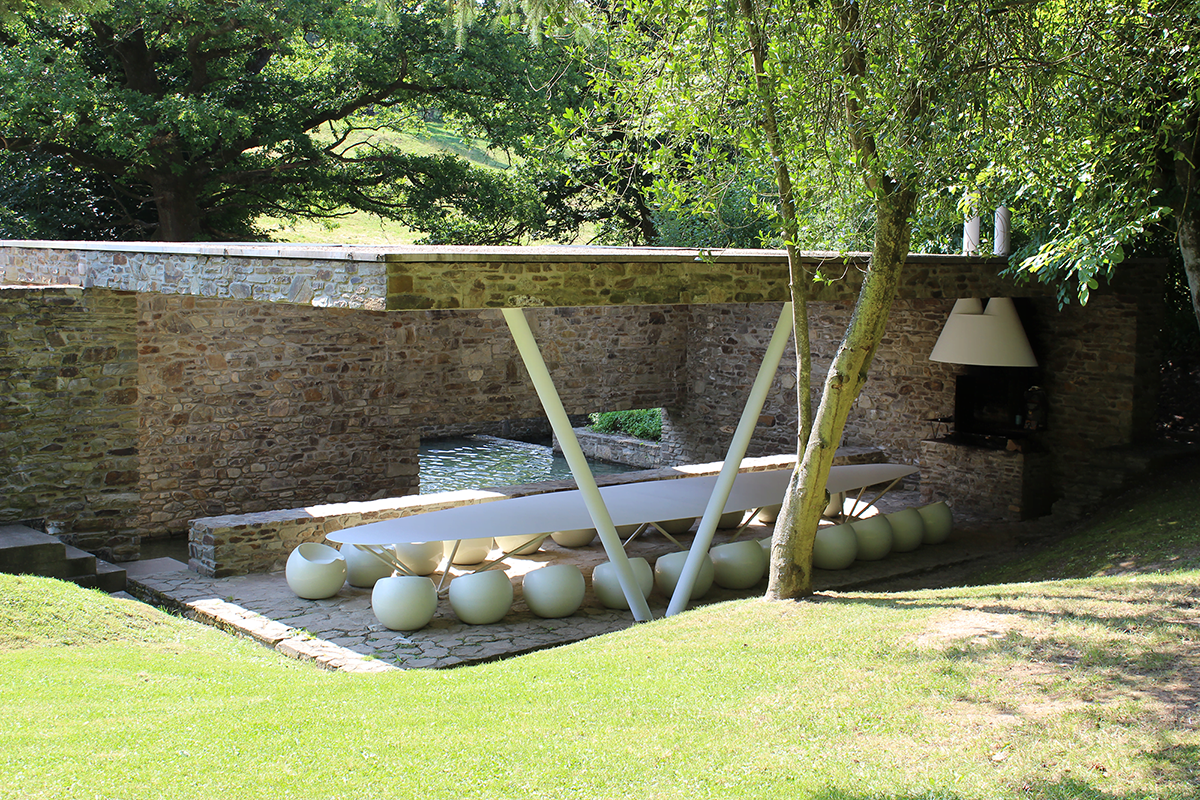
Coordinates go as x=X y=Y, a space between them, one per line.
x=476 y=462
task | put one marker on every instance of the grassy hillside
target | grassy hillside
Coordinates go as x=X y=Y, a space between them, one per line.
x=1081 y=688
x=357 y=227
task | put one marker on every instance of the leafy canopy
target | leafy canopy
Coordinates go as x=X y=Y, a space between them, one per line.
x=213 y=113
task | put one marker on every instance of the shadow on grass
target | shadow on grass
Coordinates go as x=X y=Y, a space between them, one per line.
x=1065 y=789
x=1130 y=641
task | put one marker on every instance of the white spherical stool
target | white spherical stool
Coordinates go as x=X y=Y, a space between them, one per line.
x=520 y=545
x=939 y=521
x=768 y=514
x=738 y=565
x=363 y=568
x=421 y=558
x=668 y=568
x=554 y=591
x=315 y=571
x=835 y=547
x=908 y=530
x=404 y=602
x=607 y=586
x=874 y=537
x=765 y=544
x=675 y=527
x=730 y=519
x=470 y=551
x=628 y=530
x=578 y=537
x=481 y=598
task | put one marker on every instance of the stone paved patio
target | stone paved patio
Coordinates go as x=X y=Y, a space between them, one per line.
x=342 y=632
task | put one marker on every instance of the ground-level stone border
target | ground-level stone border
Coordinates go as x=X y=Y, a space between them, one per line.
x=221 y=547
x=617 y=448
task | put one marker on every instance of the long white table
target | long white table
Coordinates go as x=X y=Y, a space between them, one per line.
x=628 y=504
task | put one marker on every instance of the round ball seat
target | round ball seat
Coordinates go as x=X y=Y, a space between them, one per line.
x=520 y=545
x=628 y=530
x=908 y=530
x=731 y=519
x=939 y=521
x=404 y=602
x=769 y=514
x=470 y=551
x=554 y=591
x=675 y=527
x=835 y=547
x=874 y=537
x=577 y=537
x=738 y=565
x=607 y=586
x=481 y=598
x=363 y=568
x=422 y=558
x=315 y=571
x=668 y=568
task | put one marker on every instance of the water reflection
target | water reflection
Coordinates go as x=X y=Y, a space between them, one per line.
x=477 y=462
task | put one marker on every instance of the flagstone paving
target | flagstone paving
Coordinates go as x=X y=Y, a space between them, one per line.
x=342 y=632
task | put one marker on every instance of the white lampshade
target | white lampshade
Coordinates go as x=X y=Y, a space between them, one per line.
x=991 y=337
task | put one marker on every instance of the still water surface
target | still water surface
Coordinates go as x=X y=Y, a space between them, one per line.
x=478 y=462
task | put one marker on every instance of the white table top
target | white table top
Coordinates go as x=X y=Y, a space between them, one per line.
x=628 y=503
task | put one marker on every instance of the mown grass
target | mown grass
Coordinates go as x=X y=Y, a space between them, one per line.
x=1085 y=688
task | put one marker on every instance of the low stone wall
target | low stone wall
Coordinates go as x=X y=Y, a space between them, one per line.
x=241 y=544
x=617 y=448
x=987 y=483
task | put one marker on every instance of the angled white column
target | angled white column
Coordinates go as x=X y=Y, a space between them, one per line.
x=733 y=462
x=518 y=325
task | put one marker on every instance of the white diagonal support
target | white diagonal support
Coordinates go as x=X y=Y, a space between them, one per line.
x=518 y=325
x=733 y=462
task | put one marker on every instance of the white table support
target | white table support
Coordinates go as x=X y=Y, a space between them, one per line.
x=518 y=325
x=733 y=462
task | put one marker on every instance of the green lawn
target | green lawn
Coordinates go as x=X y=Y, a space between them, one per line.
x=1073 y=689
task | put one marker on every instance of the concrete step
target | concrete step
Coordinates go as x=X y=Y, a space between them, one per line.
x=24 y=551
x=107 y=578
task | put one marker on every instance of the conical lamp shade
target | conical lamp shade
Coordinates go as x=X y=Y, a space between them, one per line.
x=991 y=337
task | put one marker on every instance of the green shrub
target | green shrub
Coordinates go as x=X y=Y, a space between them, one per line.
x=644 y=423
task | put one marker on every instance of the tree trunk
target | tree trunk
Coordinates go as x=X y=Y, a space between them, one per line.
x=796 y=527
x=178 y=214
x=1187 y=208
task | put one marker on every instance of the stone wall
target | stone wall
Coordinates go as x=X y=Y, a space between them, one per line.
x=248 y=406
x=68 y=414
x=903 y=393
x=317 y=275
x=991 y=484
x=270 y=377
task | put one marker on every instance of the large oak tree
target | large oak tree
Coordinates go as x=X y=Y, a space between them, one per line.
x=191 y=118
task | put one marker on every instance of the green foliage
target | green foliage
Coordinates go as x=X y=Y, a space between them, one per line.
x=642 y=423
x=218 y=114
